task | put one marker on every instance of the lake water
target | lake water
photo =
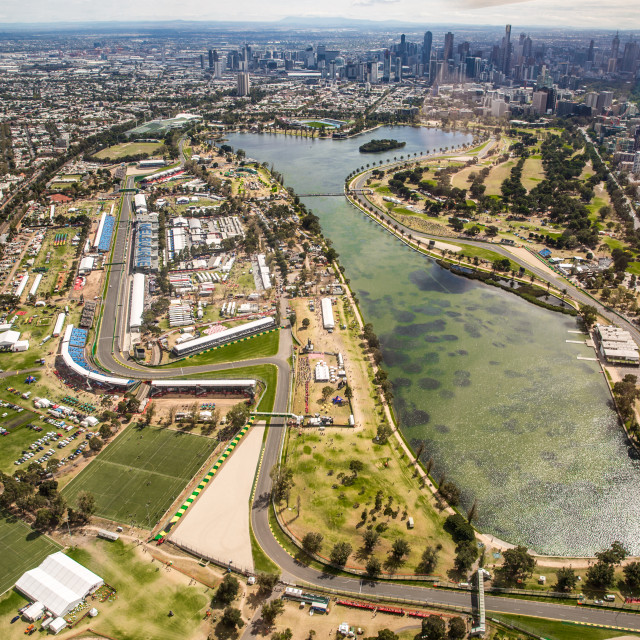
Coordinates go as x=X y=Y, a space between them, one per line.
x=485 y=379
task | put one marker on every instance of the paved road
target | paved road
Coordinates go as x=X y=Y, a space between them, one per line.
x=557 y=281
x=112 y=325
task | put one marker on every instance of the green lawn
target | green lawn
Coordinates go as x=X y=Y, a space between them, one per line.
x=141 y=473
x=128 y=149
x=557 y=630
x=262 y=346
x=22 y=549
x=268 y=373
x=144 y=598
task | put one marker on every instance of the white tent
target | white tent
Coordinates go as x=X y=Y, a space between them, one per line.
x=57 y=625
x=60 y=583
x=9 y=338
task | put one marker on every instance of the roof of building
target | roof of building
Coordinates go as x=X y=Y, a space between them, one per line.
x=59 y=583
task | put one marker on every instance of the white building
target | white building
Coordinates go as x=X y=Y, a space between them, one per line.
x=59 y=583
x=327 y=314
x=322 y=372
x=137 y=301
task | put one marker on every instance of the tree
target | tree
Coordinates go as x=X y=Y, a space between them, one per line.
x=616 y=553
x=429 y=560
x=305 y=323
x=267 y=581
x=44 y=519
x=466 y=554
x=228 y=589
x=326 y=393
x=600 y=575
x=340 y=553
x=86 y=504
x=105 y=431
x=518 y=563
x=566 y=579
x=589 y=314
x=370 y=540
x=287 y=634
x=384 y=634
x=271 y=610
x=433 y=628
x=282 y=483
x=399 y=549
x=238 y=415
x=632 y=575
x=232 y=618
x=457 y=628
x=95 y=444
x=312 y=542
x=373 y=567
x=383 y=433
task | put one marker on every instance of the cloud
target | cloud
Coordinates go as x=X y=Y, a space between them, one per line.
x=484 y=4
x=371 y=3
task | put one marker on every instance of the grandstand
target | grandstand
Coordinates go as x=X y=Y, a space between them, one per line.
x=145 y=257
x=210 y=388
x=104 y=242
x=73 y=359
x=223 y=337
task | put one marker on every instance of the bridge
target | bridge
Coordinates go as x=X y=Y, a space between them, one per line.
x=336 y=195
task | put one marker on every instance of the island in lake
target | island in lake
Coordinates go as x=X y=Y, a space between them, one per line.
x=375 y=146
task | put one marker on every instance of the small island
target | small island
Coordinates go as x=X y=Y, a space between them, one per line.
x=376 y=146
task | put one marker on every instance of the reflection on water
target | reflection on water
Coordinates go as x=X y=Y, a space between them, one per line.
x=483 y=378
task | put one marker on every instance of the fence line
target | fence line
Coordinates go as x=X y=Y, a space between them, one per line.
x=225 y=564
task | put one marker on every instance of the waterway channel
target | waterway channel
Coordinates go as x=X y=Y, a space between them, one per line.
x=485 y=379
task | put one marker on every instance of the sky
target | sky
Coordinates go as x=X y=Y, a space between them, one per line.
x=599 y=14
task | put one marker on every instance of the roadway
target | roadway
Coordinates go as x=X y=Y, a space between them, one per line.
x=112 y=329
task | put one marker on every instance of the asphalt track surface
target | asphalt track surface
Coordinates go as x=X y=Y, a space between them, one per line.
x=110 y=358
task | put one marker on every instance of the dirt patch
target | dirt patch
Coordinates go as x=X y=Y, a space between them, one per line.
x=217 y=525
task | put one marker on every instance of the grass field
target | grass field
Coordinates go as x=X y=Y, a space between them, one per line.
x=557 y=630
x=532 y=172
x=128 y=149
x=141 y=473
x=262 y=346
x=22 y=549
x=268 y=373
x=497 y=176
x=146 y=592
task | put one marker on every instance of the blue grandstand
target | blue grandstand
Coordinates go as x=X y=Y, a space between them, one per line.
x=107 y=233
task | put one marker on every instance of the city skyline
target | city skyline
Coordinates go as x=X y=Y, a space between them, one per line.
x=571 y=14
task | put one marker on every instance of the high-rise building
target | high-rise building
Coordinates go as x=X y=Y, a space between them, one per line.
x=448 y=46
x=386 y=66
x=630 y=57
x=506 y=51
x=615 y=47
x=426 y=51
x=218 y=68
x=202 y=60
x=590 y=52
x=244 y=84
x=211 y=59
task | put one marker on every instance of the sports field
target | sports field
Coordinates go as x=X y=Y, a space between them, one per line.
x=141 y=473
x=22 y=549
x=128 y=149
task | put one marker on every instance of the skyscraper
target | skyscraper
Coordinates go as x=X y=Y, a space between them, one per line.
x=448 y=46
x=590 y=52
x=426 y=52
x=211 y=59
x=506 y=51
x=244 y=84
x=615 y=47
